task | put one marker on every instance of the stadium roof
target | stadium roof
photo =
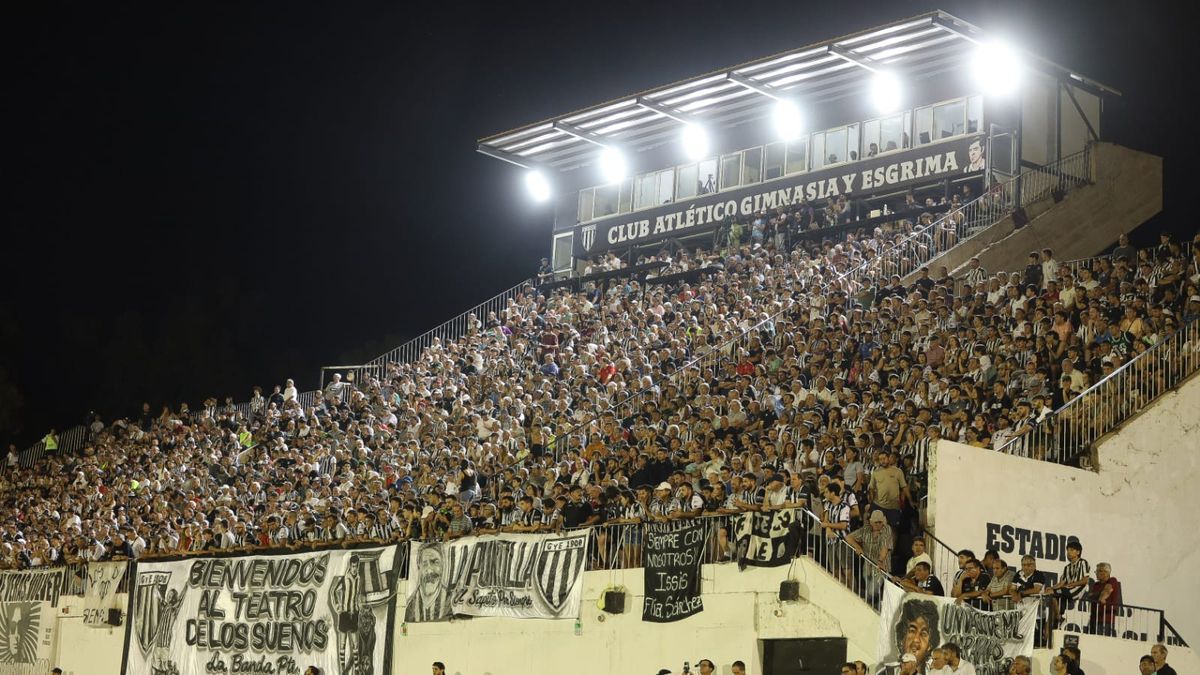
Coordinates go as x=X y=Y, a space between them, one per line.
x=916 y=48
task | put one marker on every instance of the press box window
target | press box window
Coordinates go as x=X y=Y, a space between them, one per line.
x=947 y=120
x=773 y=167
x=752 y=166
x=606 y=200
x=797 y=156
x=835 y=146
x=731 y=170
x=886 y=134
x=652 y=189
x=585 y=204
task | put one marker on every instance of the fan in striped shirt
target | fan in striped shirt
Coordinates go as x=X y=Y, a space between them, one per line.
x=1072 y=583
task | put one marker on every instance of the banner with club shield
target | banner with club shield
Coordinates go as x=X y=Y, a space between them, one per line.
x=264 y=614
x=512 y=575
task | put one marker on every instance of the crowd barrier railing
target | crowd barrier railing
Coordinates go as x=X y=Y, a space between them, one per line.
x=1068 y=435
x=619 y=546
x=452 y=329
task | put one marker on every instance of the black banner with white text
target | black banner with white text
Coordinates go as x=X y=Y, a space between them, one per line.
x=947 y=159
x=673 y=551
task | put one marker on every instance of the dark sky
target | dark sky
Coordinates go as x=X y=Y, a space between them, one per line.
x=205 y=196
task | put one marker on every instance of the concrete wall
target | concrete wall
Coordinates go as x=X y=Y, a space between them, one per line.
x=740 y=609
x=1136 y=513
x=1126 y=193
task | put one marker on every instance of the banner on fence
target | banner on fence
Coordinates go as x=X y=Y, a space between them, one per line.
x=28 y=620
x=512 y=575
x=672 y=555
x=768 y=538
x=916 y=623
x=104 y=582
x=264 y=614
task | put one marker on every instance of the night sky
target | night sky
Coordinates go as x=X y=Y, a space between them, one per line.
x=205 y=197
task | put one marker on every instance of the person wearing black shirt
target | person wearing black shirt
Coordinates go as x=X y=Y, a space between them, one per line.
x=921 y=580
x=578 y=512
x=1159 y=654
x=972 y=585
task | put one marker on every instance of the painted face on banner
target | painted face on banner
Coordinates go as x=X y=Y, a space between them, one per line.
x=432 y=569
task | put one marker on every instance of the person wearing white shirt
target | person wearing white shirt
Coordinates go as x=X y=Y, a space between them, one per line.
x=954 y=661
x=289 y=392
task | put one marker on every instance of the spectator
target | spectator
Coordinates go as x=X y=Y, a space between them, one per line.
x=955 y=661
x=1104 y=595
x=1072 y=583
x=1159 y=654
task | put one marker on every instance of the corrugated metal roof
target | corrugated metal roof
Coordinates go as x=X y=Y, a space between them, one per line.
x=913 y=49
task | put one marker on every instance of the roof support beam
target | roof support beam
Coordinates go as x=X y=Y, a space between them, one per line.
x=951 y=27
x=512 y=158
x=758 y=87
x=860 y=61
x=583 y=134
x=667 y=111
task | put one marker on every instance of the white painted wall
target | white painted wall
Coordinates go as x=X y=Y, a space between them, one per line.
x=87 y=651
x=740 y=608
x=1137 y=512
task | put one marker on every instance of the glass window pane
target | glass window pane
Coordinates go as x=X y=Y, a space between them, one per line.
x=666 y=186
x=949 y=119
x=731 y=170
x=605 y=202
x=585 y=205
x=627 y=195
x=923 y=127
x=891 y=133
x=561 y=256
x=751 y=166
x=644 y=191
x=818 y=150
x=687 y=184
x=835 y=146
x=870 y=140
x=974 y=114
x=852 y=142
x=707 y=176
x=773 y=167
x=797 y=156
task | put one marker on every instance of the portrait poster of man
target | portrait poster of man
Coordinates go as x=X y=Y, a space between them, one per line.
x=915 y=623
x=519 y=576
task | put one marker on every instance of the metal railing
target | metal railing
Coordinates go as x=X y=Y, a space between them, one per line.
x=618 y=546
x=1068 y=435
x=1127 y=622
x=1055 y=179
x=451 y=329
x=69 y=442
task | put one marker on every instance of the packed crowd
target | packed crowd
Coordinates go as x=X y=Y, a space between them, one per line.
x=772 y=377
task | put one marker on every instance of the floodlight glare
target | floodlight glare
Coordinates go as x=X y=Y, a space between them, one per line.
x=612 y=165
x=885 y=92
x=788 y=123
x=538 y=186
x=997 y=68
x=695 y=141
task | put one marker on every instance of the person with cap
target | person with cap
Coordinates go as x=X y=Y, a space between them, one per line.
x=663 y=505
x=908 y=664
x=874 y=542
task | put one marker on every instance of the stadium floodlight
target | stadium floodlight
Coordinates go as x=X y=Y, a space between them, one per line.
x=695 y=141
x=997 y=68
x=886 y=92
x=789 y=124
x=538 y=186
x=612 y=165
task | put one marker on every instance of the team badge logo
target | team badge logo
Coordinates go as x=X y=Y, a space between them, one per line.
x=558 y=568
x=155 y=609
x=589 y=236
